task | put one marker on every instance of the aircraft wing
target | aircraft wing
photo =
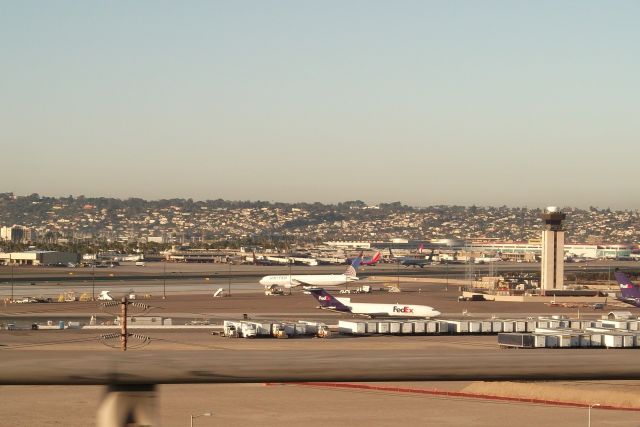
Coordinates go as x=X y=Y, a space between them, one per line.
x=298 y=282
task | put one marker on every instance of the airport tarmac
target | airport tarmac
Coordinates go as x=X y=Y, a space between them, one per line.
x=252 y=404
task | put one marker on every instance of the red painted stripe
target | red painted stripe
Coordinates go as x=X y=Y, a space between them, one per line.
x=435 y=392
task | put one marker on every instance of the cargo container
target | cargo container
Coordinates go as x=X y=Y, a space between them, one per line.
x=584 y=340
x=474 y=327
x=596 y=339
x=458 y=326
x=352 y=328
x=406 y=328
x=444 y=327
x=485 y=327
x=531 y=325
x=516 y=340
x=419 y=327
x=519 y=325
x=433 y=327
x=611 y=340
x=383 y=327
x=507 y=326
x=615 y=324
x=633 y=325
x=496 y=326
x=539 y=340
x=371 y=327
x=551 y=341
x=542 y=324
x=394 y=327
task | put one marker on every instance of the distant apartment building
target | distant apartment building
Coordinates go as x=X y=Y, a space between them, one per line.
x=18 y=234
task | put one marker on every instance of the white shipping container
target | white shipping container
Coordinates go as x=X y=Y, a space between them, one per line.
x=349 y=327
x=633 y=325
x=443 y=327
x=531 y=325
x=628 y=341
x=394 y=327
x=612 y=340
x=615 y=324
x=520 y=326
x=485 y=327
x=542 y=324
x=406 y=327
x=432 y=326
x=539 y=341
x=507 y=326
x=371 y=327
x=474 y=326
x=496 y=326
x=566 y=341
x=596 y=339
x=383 y=327
x=419 y=327
x=458 y=326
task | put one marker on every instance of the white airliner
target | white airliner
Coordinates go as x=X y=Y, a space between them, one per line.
x=312 y=280
x=344 y=305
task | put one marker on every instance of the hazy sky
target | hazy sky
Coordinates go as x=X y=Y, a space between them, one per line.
x=427 y=102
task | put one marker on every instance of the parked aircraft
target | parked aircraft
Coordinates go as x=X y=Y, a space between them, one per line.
x=314 y=280
x=486 y=259
x=629 y=291
x=418 y=262
x=344 y=305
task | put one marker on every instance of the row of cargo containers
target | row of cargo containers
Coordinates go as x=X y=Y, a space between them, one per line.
x=434 y=327
x=628 y=325
x=559 y=339
x=250 y=329
x=464 y=326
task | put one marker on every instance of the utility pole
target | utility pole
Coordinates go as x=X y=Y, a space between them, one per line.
x=123 y=324
x=229 y=278
x=11 y=263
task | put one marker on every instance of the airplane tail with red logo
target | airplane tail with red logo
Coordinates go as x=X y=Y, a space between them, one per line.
x=376 y=257
x=328 y=301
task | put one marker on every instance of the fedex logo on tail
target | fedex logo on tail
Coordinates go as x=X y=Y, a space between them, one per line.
x=405 y=309
x=324 y=298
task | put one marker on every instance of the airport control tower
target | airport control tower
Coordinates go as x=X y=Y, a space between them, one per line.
x=552 y=274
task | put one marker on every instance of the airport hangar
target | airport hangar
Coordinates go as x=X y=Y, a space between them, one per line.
x=39 y=258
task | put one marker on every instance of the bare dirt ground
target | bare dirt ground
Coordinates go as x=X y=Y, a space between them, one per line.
x=262 y=405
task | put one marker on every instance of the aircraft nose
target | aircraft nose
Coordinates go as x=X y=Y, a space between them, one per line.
x=435 y=313
x=262 y=281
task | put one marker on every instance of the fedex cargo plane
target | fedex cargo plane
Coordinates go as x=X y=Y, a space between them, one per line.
x=344 y=305
x=291 y=281
x=629 y=291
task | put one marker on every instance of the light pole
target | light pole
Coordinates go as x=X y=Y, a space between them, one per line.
x=193 y=417
x=229 y=278
x=591 y=406
x=164 y=278
x=93 y=281
x=11 y=263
